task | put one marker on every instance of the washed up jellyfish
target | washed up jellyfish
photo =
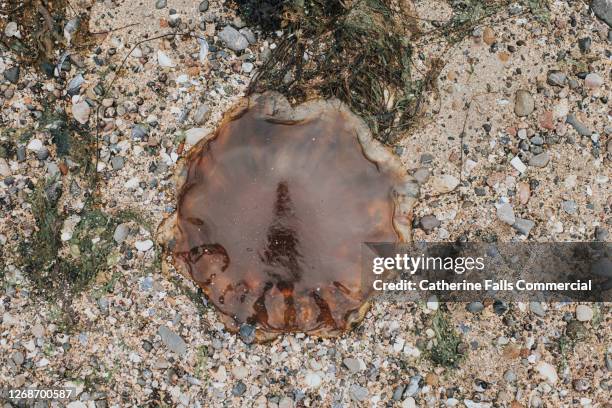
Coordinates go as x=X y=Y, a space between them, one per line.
x=273 y=208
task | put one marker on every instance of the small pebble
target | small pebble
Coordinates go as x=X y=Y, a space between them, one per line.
x=429 y=223
x=523 y=226
x=524 y=103
x=593 y=81
x=239 y=389
x=81 y=111
x=556 y=78
x=444 y=183
x=569 y=206
x=518 y=164
x=143 y=246
x=584 y=44
x=537 y=309
x=505 y=213
x=584 y=313
x=313 y=380
x=173 y=341
x=548 y=372
x=510 y=376
x=475 y=307
x=233 y=39
x=247 y=333
x=578 y=126
x=12 y=74
x=117 y=162
x=358 y=392
x=194 y=135
x=352 y=364
x=203 y=7
x=540 y=160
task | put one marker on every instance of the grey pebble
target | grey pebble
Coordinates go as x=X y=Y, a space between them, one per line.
x=173 y=341
x=475 y=307
x=147 y=346
x=540 y=160
x=505 y=213
x=500 y=307
x=21 y=154
x=146 y=284
x=265 y=54
x=429 y=222
x=358 y=392
x=421 y=175
x=201 y=115
x=203 y=6
x=12 y=74
x=74 y=86
x=117 y=162
x=103 y=304
x=413 y=386
x=573 y=83
x=139 y=132
x=601 y=234
x=603 y=10
x=352 y=364
x=609 y=361
x=121 y=233
x=510 y=376
x=578 y=126
x=398 y=392
x=160 y=4
x=239 y=389
x=569 y=206
x=537 y=140
x=53 y=169
x=247 y=333
x=426 y=158
x=233 y=39
x=584 y=44
x=523 y=226
x=556 y=78
x=248 y=34
x=42 y=154
x=18 y=358
x=536 y=308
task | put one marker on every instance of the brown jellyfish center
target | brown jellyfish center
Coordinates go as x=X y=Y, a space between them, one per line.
x=272 y=216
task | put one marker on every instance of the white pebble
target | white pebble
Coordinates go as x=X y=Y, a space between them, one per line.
x=143 y=246
x=81 y=112
x=34 y=145
x=584 y=313
x=547 y=372
x=518 y=164
x=445 y=183
x=313 y=379
x=432 y=303
x=163 y=60
x=194 y=135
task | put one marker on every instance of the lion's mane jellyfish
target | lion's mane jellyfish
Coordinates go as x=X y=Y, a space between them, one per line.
x=273 y=209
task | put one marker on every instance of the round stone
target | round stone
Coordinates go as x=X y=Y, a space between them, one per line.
x=584 y=313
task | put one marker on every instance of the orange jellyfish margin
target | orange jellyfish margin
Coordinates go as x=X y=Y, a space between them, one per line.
x=275 y=108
